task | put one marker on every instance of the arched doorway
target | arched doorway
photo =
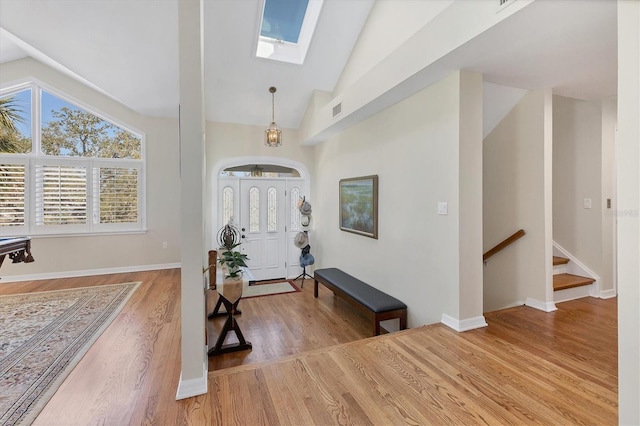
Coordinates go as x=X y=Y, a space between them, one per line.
x=261 y=195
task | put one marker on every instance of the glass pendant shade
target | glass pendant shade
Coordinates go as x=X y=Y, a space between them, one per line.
x=273 y=135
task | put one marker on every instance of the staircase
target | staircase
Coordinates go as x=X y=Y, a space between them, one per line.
x=563 y=280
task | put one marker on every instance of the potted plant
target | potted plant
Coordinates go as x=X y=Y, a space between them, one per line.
x=233 y=260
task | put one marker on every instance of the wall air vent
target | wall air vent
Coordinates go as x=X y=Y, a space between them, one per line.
x=337 y=110
x=504 y=3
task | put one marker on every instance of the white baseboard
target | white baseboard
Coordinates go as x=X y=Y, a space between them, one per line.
x=465 y=324
x=193 y=387
x=580 y=292
x=543 y=306
x=608 y=294
x=88 y=272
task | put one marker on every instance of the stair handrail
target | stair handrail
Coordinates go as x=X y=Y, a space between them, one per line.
x=502 y=245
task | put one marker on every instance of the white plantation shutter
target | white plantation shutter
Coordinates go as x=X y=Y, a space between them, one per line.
x=118 y=199
x=61 y=195
x=12 y=191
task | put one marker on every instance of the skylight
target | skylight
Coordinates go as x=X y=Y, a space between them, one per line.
x=282 y=19
x=287 y=28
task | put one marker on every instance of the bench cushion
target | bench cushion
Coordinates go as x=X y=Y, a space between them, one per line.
x=374 y=299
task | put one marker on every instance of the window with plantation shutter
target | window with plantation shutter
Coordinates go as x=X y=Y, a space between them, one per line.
x=61 y=195
x=12 y=195
x=118 y=200
x=72 y=171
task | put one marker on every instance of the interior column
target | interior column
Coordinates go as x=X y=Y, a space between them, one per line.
x=193 y=376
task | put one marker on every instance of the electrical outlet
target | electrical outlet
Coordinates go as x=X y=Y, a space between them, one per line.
x=443 y=208
x=587 y=203
x=164 y=245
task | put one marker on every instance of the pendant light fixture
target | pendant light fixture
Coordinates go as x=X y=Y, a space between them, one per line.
x=273 y=135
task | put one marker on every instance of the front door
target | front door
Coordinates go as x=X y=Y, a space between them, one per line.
x=262 y=225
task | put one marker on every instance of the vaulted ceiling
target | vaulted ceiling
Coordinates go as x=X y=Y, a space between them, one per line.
x=129 y=50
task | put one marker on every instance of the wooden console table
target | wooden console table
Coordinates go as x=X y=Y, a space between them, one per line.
x=229 y=294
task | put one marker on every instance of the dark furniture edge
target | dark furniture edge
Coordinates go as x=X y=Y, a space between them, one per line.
x=373 y=316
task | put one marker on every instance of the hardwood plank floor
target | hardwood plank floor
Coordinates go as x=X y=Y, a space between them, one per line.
x=526 y=367
x=289 y=324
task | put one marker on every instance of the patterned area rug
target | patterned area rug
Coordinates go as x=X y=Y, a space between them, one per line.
x=268 y=289
x=43 y=336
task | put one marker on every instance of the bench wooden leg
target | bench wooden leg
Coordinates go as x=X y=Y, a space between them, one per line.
x=315 y=288
x=403 y=320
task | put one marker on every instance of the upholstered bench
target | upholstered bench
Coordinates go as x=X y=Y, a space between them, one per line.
x=377 y=305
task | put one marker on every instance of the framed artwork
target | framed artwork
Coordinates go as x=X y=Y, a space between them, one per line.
x=359 y=205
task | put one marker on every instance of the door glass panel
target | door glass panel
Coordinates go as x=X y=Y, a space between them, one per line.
x=295 y=212
x=272 y=210
x=227 y=204
x=254 y=209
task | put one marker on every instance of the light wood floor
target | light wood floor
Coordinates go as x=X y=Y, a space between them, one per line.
x=527 y=367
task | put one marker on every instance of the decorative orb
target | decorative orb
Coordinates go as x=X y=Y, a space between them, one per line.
x=228 y=236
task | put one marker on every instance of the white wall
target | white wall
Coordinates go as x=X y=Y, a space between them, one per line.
x=583 y=167
x=470 y=200
x=413 y=147
x=497 y=101
x=63 y=256
x=608 y=286
x=628 y=164
x=390 y=23
x=374 y=81
x=577 y=172
x=515 y=197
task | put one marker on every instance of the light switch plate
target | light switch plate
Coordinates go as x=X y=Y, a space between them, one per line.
x=587 y=203
x=443 y=208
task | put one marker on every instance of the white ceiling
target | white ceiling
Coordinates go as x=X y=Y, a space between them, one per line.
x=129 y=50
x=237 y=82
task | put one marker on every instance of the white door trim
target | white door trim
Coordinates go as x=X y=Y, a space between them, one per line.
x=213 y=225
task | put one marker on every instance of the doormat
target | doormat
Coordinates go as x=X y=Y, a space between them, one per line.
x=270 y=288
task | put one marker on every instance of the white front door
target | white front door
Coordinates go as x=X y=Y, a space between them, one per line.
x=262 y=226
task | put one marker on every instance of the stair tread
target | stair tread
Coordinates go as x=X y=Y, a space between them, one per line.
x=557 y=260
x=564 y=281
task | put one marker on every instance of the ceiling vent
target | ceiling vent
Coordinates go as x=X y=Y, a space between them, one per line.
x=337 y=110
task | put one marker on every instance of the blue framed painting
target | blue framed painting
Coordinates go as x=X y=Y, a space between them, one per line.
x=359 y=205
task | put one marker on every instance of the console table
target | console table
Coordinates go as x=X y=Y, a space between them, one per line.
x=229 y=294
